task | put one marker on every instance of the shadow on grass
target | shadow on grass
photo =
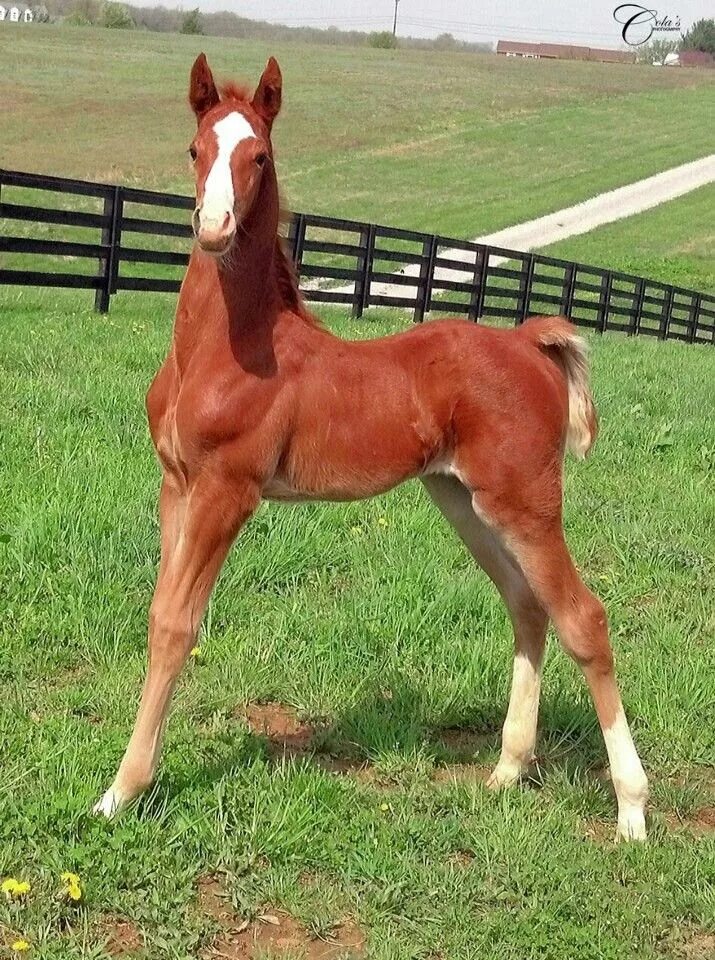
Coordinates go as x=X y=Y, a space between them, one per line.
x=394 y=735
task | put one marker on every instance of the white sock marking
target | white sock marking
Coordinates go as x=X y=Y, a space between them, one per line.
x=519 y=732
x=629 y=780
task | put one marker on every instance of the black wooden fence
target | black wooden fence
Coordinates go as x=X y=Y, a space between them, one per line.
x=100 y=243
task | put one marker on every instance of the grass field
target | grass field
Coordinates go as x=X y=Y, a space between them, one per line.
x=326 y=758
x=673 y=243
x=458 y=144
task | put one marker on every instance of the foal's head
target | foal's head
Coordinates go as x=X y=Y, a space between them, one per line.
x=230 y=152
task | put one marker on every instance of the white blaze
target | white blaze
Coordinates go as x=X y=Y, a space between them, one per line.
x=218 y=191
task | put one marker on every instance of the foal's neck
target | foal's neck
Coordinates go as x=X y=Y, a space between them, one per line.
x=239 y=299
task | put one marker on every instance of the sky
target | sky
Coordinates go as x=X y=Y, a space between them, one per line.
x=587 y=22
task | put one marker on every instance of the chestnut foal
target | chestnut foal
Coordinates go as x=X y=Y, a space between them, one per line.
x=257 y=401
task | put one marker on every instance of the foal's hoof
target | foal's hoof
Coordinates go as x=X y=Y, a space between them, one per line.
x=504 y=775
x=110 y=804
x=631 y=825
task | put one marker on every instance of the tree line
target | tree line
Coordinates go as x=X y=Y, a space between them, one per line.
x=117 y=15
x=701 y=36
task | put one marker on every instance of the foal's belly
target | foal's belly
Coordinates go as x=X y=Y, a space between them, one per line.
x=345 y=472
x=333 y=488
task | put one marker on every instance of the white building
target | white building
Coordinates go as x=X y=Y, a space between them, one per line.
x=17 y=14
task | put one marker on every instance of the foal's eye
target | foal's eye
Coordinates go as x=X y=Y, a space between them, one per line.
x=192 y=152
x=261 y=159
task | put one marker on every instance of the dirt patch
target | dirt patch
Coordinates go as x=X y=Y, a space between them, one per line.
x=286 y=735
x=213 y=901
x=602 y=832
x=122 y=938
x=698 y=946
x=280 y=725
x=461 y=858
x=277 y=935
x=701 y=823
x=463 y=742
x=452 y=773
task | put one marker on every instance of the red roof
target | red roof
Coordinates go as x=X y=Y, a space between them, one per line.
x=564 y=51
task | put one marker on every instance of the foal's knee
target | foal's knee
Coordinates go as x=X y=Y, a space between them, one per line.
x=170 y=635
x=584 y=635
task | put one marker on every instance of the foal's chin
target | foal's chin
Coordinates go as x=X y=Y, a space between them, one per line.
x=215 y=251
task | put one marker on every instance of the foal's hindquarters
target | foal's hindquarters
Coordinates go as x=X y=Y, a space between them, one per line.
x=516 y=398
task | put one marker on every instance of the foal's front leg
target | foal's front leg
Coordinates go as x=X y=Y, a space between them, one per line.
x=195 y=542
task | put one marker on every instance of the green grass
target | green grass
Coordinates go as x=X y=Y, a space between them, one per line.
x=386 y=636
x=458 y=144
x=673 y=243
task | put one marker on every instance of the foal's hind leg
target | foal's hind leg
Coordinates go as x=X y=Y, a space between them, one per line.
x=580 y=621
x=533 y=535
x=527 y=615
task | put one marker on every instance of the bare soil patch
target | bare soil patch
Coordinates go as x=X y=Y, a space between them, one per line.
x=462 y=742
x=213 y=901
x=277 y=935
x=287 y=735
x=271 y=934
x=122 y=937
x=698 y=946
x=451 y=773
x=701 y=822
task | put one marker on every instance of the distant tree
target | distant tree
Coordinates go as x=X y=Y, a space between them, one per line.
x=384 y=40
x=116 y=17
x=83 y=13
x=656 y=51
x=40 y=13
x=445 y=41
x=701 y=36
x=192 y=22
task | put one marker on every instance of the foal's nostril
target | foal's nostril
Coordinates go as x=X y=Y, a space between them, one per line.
x=196 y=221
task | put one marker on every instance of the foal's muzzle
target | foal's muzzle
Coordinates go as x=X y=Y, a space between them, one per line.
x=214 y=234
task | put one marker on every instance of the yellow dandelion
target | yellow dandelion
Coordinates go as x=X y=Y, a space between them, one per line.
x=73 y=886
x=15 y=889
x=20 y=945
x=195 y=653
x=382 y=522
x=384 y=807
x=356 y=530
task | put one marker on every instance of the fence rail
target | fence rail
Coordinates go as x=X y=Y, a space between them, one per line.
x=134 y=244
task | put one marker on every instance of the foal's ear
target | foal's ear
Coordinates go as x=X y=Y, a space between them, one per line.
x=202 y=90
x=267 y=98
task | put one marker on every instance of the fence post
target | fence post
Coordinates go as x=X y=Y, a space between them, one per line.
x=638 y=308
x=567 y=290
x=481 y=269
x=693 y=317
x=109 y=261
x=296 y=239
x=665 y=315
x=525 y=281
x=424 y=283
x=605 y=301
x=361 y=293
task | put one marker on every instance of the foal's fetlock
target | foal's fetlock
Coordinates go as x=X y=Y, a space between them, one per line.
x=507 y=773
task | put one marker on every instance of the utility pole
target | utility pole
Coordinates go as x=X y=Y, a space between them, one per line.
x=394 y=22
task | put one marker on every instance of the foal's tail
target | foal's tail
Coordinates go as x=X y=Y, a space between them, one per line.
x=556 y=336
